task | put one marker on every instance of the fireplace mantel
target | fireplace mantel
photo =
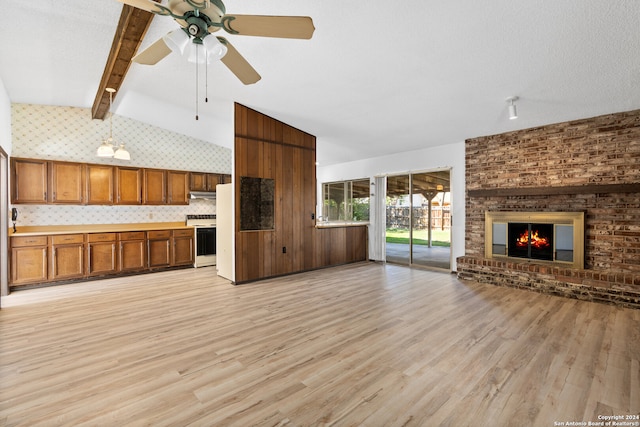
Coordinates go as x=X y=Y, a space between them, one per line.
x=573 y=219
x=549 y=191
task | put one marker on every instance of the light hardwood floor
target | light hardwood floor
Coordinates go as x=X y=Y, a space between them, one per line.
x=364 y=344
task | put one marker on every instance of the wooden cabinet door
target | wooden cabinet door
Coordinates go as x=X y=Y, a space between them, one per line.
x=28 y=181
x=154 y=187
x=66 y=183
x=178 y=187
x=159 y=248
x=128 y=186
x=67 y=257
x=101 y=254
x=213 y=179
x=197 y=181
x=183 y=249
x=28 y=260
x=225 y=179
x=133 y=251
x=99 y=185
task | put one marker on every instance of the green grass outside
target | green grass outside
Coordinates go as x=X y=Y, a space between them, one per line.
x=401 y=235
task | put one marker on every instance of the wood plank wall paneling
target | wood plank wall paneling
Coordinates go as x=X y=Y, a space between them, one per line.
x=268 y=148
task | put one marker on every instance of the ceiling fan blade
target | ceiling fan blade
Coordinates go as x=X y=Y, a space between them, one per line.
x=147 y=5
x=238 y=65
x=153 y=54
x=291 y=27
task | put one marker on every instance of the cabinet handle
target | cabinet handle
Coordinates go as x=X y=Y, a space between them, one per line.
x=54 y=195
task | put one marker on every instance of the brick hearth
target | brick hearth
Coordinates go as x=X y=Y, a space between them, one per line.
x=506 y=173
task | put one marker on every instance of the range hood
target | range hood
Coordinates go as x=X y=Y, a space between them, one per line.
x=211 y=195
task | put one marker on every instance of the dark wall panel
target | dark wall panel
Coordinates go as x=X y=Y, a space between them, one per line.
x=268 y=148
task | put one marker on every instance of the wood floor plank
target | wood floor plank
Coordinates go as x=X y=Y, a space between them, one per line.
x=362 y=344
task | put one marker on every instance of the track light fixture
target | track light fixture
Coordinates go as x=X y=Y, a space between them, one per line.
x=513 y=113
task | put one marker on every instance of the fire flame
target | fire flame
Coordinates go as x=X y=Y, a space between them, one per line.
x=537 y=241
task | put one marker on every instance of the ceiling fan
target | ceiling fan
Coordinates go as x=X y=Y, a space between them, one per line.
x=199 y=19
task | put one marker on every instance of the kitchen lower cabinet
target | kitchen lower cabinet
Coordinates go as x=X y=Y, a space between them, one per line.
x=29 y=260
x=47 y=258
x=159 y=248
x=183 y=250
x=67 y=257
x=102 y=254
x=133 y=251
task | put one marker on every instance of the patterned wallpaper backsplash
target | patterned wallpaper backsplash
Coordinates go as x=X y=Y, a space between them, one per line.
x=69 y=134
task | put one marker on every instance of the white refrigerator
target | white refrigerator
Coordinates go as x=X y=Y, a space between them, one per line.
x=225 y=243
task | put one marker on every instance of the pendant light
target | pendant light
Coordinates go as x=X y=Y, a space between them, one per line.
x=109 y=148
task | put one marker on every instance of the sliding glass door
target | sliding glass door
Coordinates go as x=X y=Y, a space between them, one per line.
x=418 y=219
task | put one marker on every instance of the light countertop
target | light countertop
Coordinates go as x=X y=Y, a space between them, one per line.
x=34 y=230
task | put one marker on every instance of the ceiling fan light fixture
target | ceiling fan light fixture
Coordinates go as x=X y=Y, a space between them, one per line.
x=196 y=53
x=214 y=48
x=176 y=40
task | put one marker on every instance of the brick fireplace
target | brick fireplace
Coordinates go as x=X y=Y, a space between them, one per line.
x=590 y=167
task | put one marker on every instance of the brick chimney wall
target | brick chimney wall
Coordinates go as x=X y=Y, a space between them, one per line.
x=603 y=150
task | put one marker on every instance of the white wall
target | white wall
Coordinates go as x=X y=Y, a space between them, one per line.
x=450 y=156
x=5 y=120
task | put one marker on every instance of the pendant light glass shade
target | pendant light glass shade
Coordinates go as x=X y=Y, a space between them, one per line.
x=121 y=153
x=105 y=149
x=108 y=148
x=176 y=40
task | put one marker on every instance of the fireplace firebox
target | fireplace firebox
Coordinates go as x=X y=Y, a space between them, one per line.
x=527 y=240
x=549 y=237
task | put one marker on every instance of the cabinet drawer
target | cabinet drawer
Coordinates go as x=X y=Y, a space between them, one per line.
x=159 y=234
x=64 y=239
x=28 y=241
x=101 y=237
x=186 y=232
x=132 y=235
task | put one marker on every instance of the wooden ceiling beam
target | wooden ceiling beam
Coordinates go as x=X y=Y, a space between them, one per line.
x=132 y=27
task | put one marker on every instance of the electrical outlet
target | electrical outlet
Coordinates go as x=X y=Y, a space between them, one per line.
x=284 y=249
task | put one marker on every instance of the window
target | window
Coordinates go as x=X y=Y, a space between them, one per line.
x=346 y=200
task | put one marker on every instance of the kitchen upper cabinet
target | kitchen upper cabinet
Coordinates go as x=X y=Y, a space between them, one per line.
x=28 y=181
x=28 y=259
x=66 y=182
x=197 y=181
x=225 y=179
x=178 y=187
x=67 y=257
x=159 y=248
x=202 y=181
x=128 y=186
x=183 y=250
x=102 y=254
x=133 y=251
x=154 y=187
x=100 y=187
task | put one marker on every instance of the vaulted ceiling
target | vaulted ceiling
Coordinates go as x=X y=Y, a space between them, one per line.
x=377 y=77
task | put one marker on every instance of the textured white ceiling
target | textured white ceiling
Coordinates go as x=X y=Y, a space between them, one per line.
x=377 y=77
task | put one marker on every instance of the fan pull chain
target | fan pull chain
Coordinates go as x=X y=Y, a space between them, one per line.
x=197 y=82
x=206 y=78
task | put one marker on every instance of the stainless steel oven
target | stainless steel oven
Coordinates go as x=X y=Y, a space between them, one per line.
x=205 y=227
